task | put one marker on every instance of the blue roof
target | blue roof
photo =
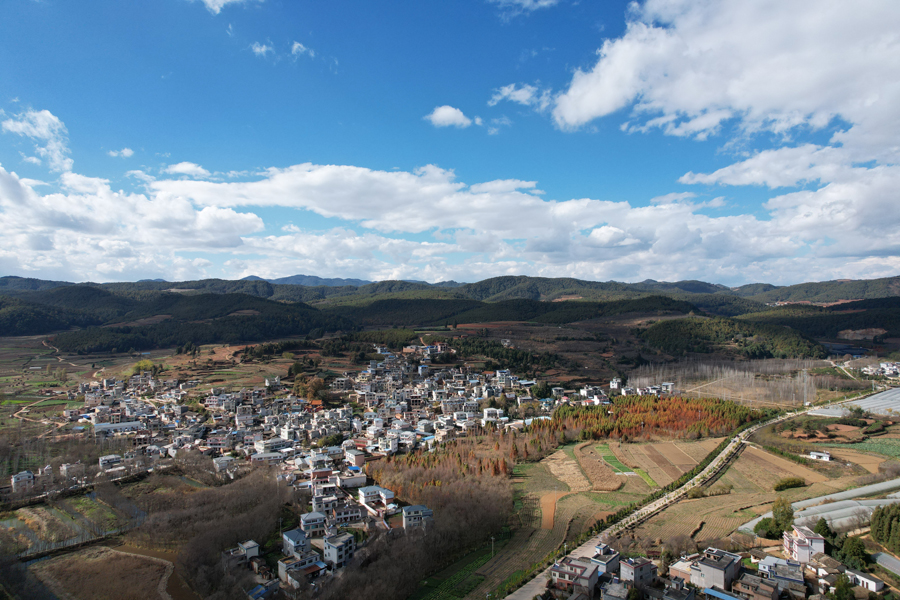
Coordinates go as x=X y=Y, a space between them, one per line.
x=720 y=594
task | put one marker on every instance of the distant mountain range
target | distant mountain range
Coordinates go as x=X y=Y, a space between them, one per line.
x=152 y=314
x=314 y=281
x=313 y=289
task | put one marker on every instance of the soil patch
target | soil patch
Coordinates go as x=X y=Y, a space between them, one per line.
x=548 y=508
x=99 y=573
x=660 y=461
x=866 y=461
x=603 y=479
x=566 y=470
x=785 y=465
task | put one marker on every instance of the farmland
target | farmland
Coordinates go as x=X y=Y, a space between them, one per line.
x=746 y=489
x=76 y=519
x=664 y=462
x=98 y=573
x=556 y=483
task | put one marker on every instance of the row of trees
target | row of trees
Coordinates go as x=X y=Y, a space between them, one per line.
x=632 y=416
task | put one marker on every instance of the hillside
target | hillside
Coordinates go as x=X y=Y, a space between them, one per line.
x=752 y=340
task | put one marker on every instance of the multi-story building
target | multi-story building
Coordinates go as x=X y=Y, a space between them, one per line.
x=575 y=575
x=639 y=572
x=801 y=543
x=339 y=549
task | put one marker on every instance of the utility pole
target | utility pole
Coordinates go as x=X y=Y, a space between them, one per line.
x=492 y=546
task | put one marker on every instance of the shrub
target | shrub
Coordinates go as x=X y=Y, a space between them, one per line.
x=789 y=482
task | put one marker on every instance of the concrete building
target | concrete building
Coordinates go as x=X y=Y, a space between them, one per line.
x=339 y=549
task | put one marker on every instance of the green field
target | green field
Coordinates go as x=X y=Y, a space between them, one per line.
x=614 y=462
x=457 y=580
x=885 y=446
x=646 y=477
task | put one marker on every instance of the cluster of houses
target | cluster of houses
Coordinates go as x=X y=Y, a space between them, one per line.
x=886 y=369
x=718 y=574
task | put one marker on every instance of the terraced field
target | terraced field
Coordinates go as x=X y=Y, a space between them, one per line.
x=751 y=479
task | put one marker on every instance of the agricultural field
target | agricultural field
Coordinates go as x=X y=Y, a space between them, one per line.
x=663 y=462
x=748 y=484
x=44 y=526
x=98 y=573
x=604 y=476
x=557 y=484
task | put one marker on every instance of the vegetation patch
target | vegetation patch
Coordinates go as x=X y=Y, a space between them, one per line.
x=788 y=483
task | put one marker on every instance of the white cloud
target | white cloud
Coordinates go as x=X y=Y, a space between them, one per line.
x=261 y=49
x=446 y=116
x=216 y=6
x=515 y=7
x=298 y=49
x=124 y=152
x=140 y=176
x=687 y=67
x=187 y=168
x=496 y=124
x=527 y=95
x=43 y=126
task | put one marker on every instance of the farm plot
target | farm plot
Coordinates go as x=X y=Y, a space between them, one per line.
x=98 y=573
x=634 y=456
x=700 y=449
x=869 y=462
x=786 y=466
x=671 y=471
x=597 y=470
x=566 y=470
x=675 y=455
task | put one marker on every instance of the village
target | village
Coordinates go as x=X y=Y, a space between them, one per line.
x=402 y=403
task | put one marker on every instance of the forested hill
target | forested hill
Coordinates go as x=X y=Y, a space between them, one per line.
x=495 y=289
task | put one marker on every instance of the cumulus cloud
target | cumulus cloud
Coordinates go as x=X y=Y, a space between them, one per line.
x=447 y=116
x=124 y=153
x=527 y=95
x=298 y=49
x=261 y=49
x=49 y=133
x=187 y=168
x=688 y=67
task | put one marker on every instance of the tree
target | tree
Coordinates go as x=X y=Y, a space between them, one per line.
x=843 y=589
x=822 y=528
x=853 y=553
x=766 y=528
x=541 y=390
x=783 y=514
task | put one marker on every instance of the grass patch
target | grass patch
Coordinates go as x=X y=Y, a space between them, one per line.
x=611 y=459
x=459 y=579
x=646 y=477
x=886 y=447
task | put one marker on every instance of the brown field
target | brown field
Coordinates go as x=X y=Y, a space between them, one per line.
x=787 y=466
x=676 y=456
x=633 y=456
x=751 y=478
x=660 y=461
x=566 y=470
x=548 y=508
x=869 y=462
x=603 y=479
x=100 y=573
x=700 y=449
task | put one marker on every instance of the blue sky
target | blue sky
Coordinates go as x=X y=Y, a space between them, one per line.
x=732 y=142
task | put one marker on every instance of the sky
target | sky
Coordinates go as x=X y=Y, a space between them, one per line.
x=731 y=141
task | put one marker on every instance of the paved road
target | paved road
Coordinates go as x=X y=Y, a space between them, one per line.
x=539 y=584
x=888 y=562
